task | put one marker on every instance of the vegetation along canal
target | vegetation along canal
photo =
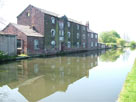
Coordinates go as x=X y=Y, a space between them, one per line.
x=84 y=77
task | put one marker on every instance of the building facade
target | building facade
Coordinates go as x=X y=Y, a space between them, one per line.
x=55 y=33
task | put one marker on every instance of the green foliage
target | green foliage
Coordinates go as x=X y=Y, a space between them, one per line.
x=109 y=37
x=133 y=44
x=121 y=42
x=128 y=93
x=111 y=55
x=4 y=57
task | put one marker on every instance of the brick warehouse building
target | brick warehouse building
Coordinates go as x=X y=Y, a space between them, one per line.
x=42 y=32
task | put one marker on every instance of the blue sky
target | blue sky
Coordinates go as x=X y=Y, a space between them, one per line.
x=103 y=15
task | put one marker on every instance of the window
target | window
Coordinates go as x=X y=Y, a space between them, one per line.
x=52 y=32
x=84 y=36
x=61 y=25
x=28 y=14
x=69 y=34
x=19 y=43
x=53 y=43
x=88 y=34
x=53 y=20
x=78 y=45
x=95 y=44
x=95 y=36
x=83 y=44
x=92 y=35
x=78 y=35
x=36 y=44
x=69 y=44
x=77 y=27
x=91 y=44
x=68 y=23
x=61 y=32
x=83 y=27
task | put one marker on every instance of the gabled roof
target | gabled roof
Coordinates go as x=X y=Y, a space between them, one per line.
x=27 y=30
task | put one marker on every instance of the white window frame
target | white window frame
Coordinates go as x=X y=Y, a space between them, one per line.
x=83 y=28
x=69 y=34
x=53 y=43
x=69 y=44
x=92 y=45
x=84 y=36
x=77 y=27
x=78 y=44
x=95 y=36
x=92 y=35
x=36 y=44
x=53 y=33
x=78 y=35
x=84 y=44
x=68 y=23
x=61 y=25
x=53 y=20
x=96 y=44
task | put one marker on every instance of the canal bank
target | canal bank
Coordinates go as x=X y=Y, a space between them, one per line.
x=128 y=93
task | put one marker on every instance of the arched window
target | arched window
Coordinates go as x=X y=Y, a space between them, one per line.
x=53 y=20
x=69 y=44
x=78 y=35
x=69 y=34
x=52 y=32
x=53 y=43
x=36 y=44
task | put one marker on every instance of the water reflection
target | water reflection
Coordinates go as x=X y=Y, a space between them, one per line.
x=111 y=55
x=38 y=78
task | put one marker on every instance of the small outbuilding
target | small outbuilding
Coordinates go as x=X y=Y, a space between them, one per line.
x=8 y=43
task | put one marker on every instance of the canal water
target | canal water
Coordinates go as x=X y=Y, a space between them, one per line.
x=83 y=77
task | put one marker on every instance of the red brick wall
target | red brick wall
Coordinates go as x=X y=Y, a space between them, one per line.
x=35 y=19
x=12 y=30
x=30 y=46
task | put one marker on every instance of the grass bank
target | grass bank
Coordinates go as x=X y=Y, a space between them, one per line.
x=128 y=93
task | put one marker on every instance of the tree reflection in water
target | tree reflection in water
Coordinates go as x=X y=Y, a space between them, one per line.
x=111 y=55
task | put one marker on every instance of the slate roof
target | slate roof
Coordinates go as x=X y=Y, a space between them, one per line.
x=48 y=12
x=27 y=30
x=89 y=30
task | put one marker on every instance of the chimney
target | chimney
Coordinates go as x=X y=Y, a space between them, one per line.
x=87 y=24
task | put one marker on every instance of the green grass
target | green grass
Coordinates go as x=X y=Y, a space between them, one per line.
x=128 y=93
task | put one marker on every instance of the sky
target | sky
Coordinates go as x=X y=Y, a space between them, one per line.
x=103 y=15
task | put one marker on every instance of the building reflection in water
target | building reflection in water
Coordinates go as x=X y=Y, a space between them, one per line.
x=38 y=78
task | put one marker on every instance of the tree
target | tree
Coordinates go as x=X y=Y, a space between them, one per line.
x=132 y=44
x=121 y=42
x=109 y=37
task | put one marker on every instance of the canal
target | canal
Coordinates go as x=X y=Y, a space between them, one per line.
x=83 y=77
